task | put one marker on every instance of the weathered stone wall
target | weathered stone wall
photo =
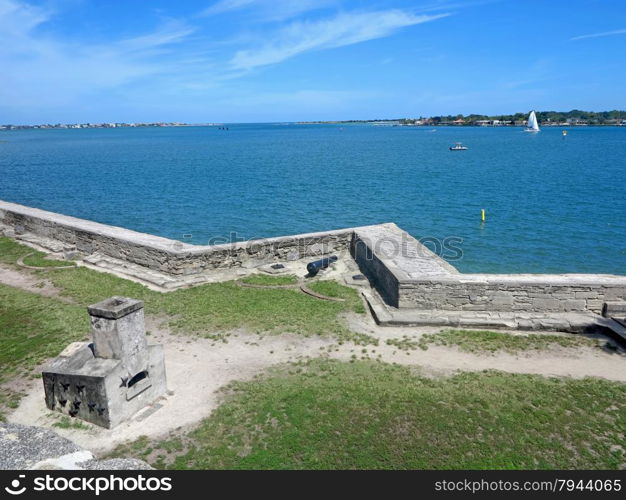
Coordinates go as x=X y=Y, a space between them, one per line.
x=162 y=254
x=407 y=275
x=549 y=293
x=375 y=270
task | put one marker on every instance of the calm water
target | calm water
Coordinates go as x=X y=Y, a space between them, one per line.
x=553 y=204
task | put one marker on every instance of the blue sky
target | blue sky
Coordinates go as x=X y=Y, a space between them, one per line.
x=280 y=60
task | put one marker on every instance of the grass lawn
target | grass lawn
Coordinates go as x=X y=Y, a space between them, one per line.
x=487 y=341
x=265 y=280
x=33 y=329
x=213 y=309
x=366 y=415
x=38 y=260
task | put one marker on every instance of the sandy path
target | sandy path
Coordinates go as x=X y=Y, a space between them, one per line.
x=196 y=368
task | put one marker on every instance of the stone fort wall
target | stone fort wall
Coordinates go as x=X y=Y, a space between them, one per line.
x=405 y=273
x=408 y=275
x=162 y=254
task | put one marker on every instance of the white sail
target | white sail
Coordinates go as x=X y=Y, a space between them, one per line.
x=532 y=122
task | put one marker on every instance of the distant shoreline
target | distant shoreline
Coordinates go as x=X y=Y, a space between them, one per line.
x=430 y=125
x=573 y=118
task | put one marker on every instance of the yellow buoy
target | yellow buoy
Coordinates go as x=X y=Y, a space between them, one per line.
x=482 y=214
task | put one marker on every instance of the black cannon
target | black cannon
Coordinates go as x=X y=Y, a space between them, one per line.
x=316 y=266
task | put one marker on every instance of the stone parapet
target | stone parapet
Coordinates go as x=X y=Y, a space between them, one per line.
x=404 y=272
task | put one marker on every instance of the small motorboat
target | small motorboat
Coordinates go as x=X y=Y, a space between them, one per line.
x=458 y=147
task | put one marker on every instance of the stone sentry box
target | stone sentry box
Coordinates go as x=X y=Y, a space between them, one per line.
x=108 y=381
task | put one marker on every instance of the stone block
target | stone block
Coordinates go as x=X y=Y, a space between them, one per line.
x=546 y=304
x=117 y=328
x=108 y=381
x=574 y=305
x=614 y=309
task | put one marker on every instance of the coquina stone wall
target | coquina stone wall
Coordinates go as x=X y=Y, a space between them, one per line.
x=376 y=270
x=405 y=273
x=546 y=293
x=408 y=275
x=162 y=254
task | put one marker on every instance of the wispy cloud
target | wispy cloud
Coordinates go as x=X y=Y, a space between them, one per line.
x=343 y=29
x=42 y=69
x=17 y=19
x=267 y=11
x=597 y=35
x=180 y=61
x=170 y=33
x=226 y=6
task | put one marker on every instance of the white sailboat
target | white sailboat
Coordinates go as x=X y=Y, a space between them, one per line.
x=533 y=125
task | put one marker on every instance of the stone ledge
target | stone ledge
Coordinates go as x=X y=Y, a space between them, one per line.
x=567 y=322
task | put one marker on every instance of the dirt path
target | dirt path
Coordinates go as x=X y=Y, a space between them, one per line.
x=29 y=282
x=197 y=368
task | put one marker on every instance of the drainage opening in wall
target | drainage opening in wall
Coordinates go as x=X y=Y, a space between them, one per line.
x=140 y=376
x=137 y=384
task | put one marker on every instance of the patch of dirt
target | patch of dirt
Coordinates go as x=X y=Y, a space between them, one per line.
x=30 y=283
x=197 y=367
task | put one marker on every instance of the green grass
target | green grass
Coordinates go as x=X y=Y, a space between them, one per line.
x=487 y=341
x=265 y=280
x=70 y=423
x=405 y=343
x=217 y=308
x=331 y=288
x=10 y=251
x=8 y=400
x=34 y=328
x=38 y=259
x=367 y=415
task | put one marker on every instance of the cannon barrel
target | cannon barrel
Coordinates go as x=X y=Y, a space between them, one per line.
x=316 y=266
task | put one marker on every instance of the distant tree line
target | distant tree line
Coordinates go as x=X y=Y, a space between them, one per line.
x=590 y=117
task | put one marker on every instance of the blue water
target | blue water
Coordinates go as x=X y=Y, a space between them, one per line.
x=553 y=204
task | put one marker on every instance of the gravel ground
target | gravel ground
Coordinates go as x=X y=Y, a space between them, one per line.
x=25 y=447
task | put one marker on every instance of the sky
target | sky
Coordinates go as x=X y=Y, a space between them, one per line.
x=68 y=61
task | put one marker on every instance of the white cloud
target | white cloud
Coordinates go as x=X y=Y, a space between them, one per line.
x=226 y=6
x=42 y=70
x=47 y=74
x=267 y=10
x=343 y=29
x=171 y=32
x=603 y=33
x=17 y=19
